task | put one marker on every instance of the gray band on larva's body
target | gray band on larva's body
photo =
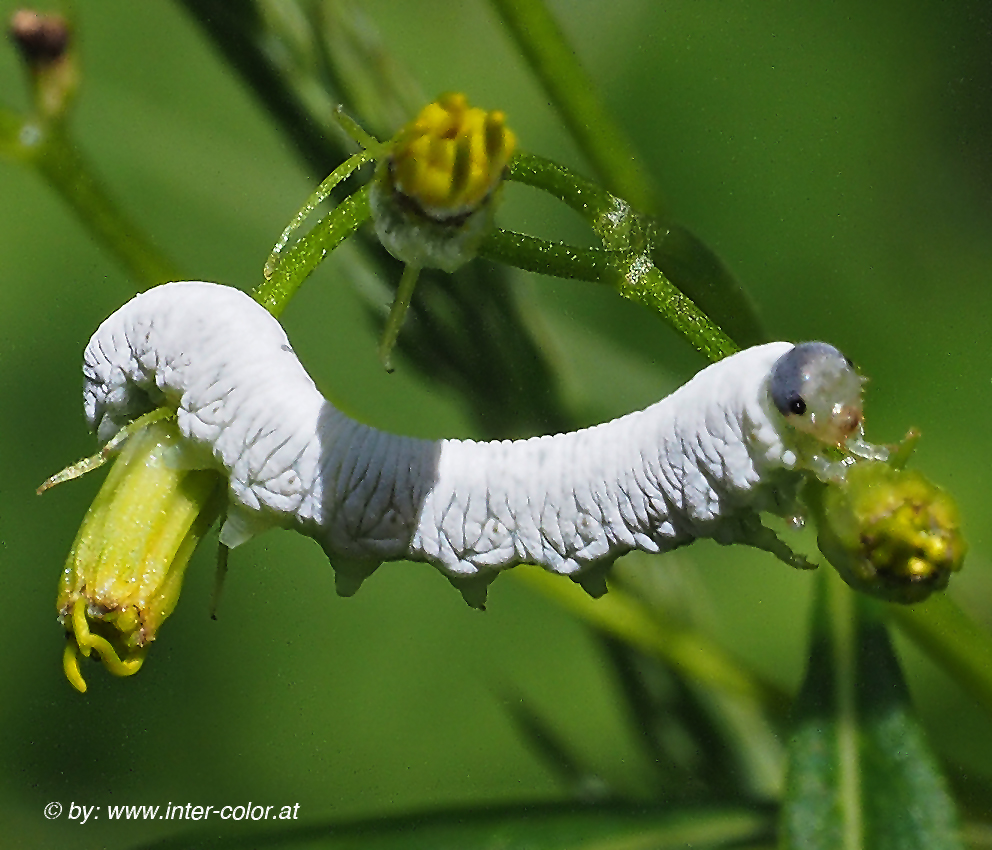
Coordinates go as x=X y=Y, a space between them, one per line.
x=683 y=468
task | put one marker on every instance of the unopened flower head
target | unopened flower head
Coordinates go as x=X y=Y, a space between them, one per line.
x=125 y=569
x=45 y=44
x=890 y=532
x=434 y=193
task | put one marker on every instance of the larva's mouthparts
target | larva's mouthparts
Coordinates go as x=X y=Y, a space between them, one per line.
x=818 y=392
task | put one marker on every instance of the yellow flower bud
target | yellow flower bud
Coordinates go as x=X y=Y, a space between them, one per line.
x=890 y=532
x=433 y=197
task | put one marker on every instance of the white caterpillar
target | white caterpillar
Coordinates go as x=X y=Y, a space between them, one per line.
x=702 y=462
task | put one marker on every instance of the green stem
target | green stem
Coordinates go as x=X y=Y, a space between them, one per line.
x=628 y=238
x=397 y=313
x=652 y=289
x=297 y=264
x=49 y=150
x=321 y=194
x=574 y=94
x=555 y=259
x=588 y=199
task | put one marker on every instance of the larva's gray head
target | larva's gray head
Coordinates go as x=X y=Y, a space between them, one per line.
x=816 y=389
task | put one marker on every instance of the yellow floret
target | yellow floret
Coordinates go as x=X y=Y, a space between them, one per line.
x=451 y=156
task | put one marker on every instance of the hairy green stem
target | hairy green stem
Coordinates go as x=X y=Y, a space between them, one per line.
x=588 y=199
x=574 y=94
x=299 y=262
x=627 y=265
x=556 y=259
x=321 y=194
x=646 y=285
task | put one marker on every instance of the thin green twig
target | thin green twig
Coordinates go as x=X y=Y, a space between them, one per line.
x=588 y=199
x=627 y=265
x=299 y=262
x=646 y=285
x=556 y=259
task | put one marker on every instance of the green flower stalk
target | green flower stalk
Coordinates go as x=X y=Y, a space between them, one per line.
x=889 y=532
x=125 y=569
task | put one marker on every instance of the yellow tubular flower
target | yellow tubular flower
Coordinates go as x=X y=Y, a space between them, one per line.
x=125 y=569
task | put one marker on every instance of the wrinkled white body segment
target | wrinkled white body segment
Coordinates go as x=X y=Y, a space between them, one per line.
x=689 y=466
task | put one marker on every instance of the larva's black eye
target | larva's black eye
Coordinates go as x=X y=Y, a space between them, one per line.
x=819 y=392
x=788 y=379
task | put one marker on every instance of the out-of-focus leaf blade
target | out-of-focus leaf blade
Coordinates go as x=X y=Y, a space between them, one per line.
x=860 y=773
x=703 y=743
x=560 y=756
x=687 y=650
x=11 y=126
x=906 y=801
x=951 y=638
x=238 y=30
x=540 y=827
x=574 y=93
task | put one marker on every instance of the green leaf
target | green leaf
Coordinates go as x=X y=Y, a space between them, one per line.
x=685 y=649
x=860 y=772
x=703 y=744
x=538 y=827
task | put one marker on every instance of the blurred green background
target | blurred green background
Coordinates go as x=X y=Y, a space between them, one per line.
x=837 y=157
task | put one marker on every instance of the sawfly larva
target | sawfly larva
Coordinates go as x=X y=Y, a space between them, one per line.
x=736 y=440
